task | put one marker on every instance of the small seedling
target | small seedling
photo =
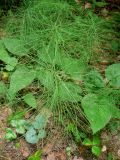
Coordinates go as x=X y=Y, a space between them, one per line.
x=77 y=135
x=68 y=151
x=10 y=134
x=33 y=131
x=93 y=144
x=37 y=130
x=17 y=145
x=36 y=156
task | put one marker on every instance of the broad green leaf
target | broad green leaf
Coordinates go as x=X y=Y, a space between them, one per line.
x=21 y=78
x=10 y=134
x=41 y=134
x=46 y=77
x=36 y=156
x=96 y=140
x=20 y=130
x=69 y=91
x=4 y=56
x=19 y=125
x=96 y=151
x=15 y=46
x=87 y=142
x=2 y=88
x=93 y=81
x=18 y=122
x=98 y=111
x=113 y=74
x=40 y=122
x=73 y=67
x=30 y=100
x=11 y=62
x=31 y=136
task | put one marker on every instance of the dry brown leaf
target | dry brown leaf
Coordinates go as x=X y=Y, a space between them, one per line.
x=48 y=148
x=118 y=153
x=51 y=156
x=27 y=115
x=78 y=1
x=79 y=158
x=104 y=148
x=104 y=12
x=44 y=158
x=24 y=148
x=60 y=155
x=4 y=113
x=88 y=5
x=2 y=33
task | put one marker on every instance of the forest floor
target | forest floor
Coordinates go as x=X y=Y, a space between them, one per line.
x=54 y=148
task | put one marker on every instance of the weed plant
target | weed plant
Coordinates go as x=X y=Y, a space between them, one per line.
x=75 y=33
x=50 y=44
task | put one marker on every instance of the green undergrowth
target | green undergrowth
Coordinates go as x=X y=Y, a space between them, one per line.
x=45 y=58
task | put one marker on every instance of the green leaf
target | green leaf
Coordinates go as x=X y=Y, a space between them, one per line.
x=31 y=136
x=2 y=88
x=40 y=122
x=93 y=81
x=46 y=77
x=113 y=74
x=30 y=100
x=96 y=140
x=10 y=134
x=15 y=46
x=5 y=57
x=41 y=134
x=11 y=63
x=98 y=111
x=19 y=125
x=18 y=122
x=87 y=142
x=69 y=91
x=96 y=151
x=36 y=156
x=20 y=130
x=21 y=78
x=73 y=67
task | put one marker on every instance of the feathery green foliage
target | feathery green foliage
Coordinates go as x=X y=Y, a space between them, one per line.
x=50 y=45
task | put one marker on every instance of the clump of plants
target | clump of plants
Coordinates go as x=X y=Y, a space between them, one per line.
x=32 y=130
x=51 y=53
